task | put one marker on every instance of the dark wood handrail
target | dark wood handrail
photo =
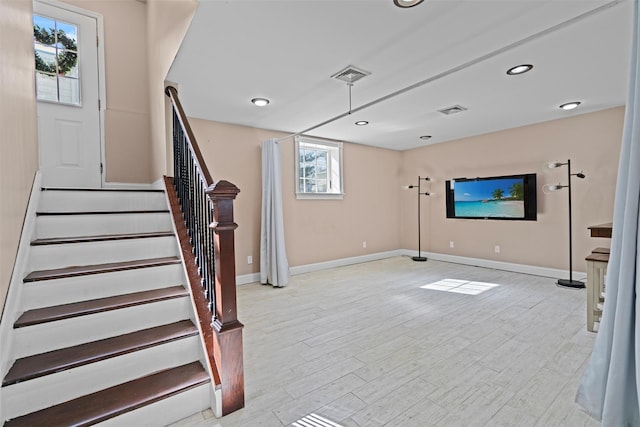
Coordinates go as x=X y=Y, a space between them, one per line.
x=206 y=231
x=172 y=93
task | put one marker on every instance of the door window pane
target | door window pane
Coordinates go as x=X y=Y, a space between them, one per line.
x=43 y=28
x=69 y=32
x=68 y=90
x=47 y=87
x=68 y=63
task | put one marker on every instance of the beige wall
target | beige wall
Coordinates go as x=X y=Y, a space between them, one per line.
x=18 y=135
x=591 y=141
x=377 y=210
x=129 y=154
x=168 y=23
x=316 y=230
x=141 y=41
x=127 y=123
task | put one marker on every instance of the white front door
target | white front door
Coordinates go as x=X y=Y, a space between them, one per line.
x=67 y=88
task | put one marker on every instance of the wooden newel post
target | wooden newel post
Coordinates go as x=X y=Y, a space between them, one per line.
x=227 y=342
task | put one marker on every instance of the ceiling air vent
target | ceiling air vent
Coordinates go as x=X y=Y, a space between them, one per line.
x=350 y=74
x=452 y=110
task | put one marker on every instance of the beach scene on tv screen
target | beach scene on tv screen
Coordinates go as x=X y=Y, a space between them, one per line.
x=489 y=198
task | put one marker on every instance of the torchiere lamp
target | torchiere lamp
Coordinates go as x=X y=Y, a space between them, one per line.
x=548 y=188
x=420 y=193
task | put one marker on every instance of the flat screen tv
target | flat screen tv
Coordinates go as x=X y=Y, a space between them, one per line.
x=510 y=197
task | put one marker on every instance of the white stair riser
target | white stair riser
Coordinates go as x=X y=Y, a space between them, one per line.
x=40 y=393
x=49 y=336
x=94 y=225
x=166 y=411
x=82 y=201
x=66 y=255
x=63 y=291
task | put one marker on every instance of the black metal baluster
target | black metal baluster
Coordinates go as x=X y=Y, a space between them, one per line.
x=210 y=256
x=196 y=207
x=196 y=219
x=203 y=238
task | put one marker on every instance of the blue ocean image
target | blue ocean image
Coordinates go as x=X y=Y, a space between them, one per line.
x=497 y=198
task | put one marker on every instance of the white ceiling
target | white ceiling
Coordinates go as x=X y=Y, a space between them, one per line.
x=286 y=51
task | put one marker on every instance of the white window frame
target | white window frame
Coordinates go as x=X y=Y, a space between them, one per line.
x=334 y=168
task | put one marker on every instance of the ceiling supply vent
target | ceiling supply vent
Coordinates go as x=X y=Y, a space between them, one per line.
x=350 y=75
x=452 y=110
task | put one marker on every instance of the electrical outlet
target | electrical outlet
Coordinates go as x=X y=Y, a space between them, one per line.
x=497 y=249
x=364 y=244
x=451 y=244
x=249 y=259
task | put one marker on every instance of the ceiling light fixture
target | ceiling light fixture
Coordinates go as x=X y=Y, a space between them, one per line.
x=519 y=69
x=407 y=3
x=425 y=137
x=570 y=105
x=362 y=123
x=260 y=102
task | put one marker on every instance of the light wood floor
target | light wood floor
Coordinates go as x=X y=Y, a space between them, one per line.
x=366 y=345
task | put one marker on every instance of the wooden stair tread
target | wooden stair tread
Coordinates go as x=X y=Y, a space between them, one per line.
x=111 y=402
x=39 y=365
x=99 y=238
x=76 y=309
x=83 y=270
x=122 y=212
x=124 y=190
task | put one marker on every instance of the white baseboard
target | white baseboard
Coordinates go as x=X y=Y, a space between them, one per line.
x=130 y=186
x=456 y=259
x=245 y=279
x=307 y=268
x=158 y=184
x=12 y=302
x=498 y=265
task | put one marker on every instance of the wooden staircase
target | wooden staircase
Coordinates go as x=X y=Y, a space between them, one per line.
x=107 y=331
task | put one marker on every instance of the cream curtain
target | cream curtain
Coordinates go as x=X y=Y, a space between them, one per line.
x=274 y=267
x=609 y=386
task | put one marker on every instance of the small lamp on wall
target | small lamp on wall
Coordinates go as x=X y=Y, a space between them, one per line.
x=420 y=193
x=551 y=188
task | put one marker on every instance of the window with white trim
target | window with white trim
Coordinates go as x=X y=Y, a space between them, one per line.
x=318 y=169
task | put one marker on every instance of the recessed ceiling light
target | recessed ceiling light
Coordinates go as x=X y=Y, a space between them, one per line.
x=425 y=137
x=570 y=105
x=362 y=123
x=407 y=3
x=260 y=102
x=519 y=69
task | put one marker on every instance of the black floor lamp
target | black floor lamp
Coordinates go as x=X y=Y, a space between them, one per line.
x=420 y=193
x=548 y=188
